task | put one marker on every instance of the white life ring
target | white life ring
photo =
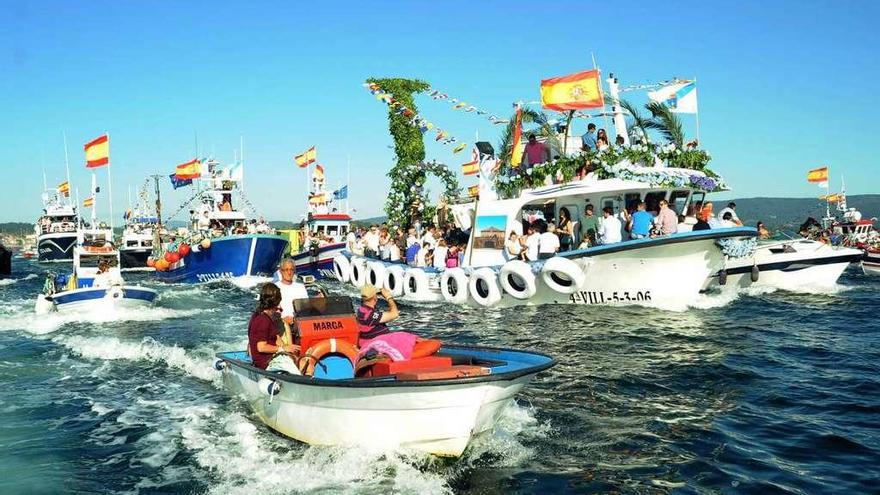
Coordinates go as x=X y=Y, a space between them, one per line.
x=358 y=272
x=563 y=275
x=341 y=268
x=517 y=279
x=394 y=279
x=454 y=285
x=376 y=274
x=483 y=287
x=415 y=284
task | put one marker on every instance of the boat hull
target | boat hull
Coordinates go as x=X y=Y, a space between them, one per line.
x=134 y=259
x=438 y=418
x=871 y=263
x=253 y=255
x=794 y=266
x=318 y=264
x=56 y=247
x=96 y=298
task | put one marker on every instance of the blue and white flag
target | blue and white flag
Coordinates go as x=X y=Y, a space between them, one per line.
x=679 y=97
x=178 y=183
x=341 y=193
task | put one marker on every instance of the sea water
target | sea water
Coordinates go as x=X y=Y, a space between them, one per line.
x=750 y=391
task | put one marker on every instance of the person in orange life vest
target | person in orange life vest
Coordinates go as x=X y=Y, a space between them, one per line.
x=374 y=331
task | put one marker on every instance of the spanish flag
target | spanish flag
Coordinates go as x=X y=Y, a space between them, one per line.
x=818 y=175
x=318 y=198
x=472 y=167
x=64 y=189
x=473 y=191
x=307 y=158
x=832 y=198
x=189 y=170
x=98 y=152
x=572 y=92
x=319 y=173
x=517 y=145
x=89 y=202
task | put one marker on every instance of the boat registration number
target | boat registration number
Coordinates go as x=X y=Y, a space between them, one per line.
x=600 y=297
x=205 y=277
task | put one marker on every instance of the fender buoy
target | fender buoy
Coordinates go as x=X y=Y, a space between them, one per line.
x=171 y=257
x=394 y=279
x=269 y=386
x=517 y=279
x=722 y=277
x=341 y=268
x=329 y=346
x=454 y=285
x=206 y=243
x=376 y=274
x=219 y=364
x=415 y=284
x=183 y=249
x=358 y=272
x=756 y=273
x=483 y=287
x=161 y=265
x=563 y=275
x=151 y=262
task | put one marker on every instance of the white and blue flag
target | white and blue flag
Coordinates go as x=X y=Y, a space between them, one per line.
x=679 y=97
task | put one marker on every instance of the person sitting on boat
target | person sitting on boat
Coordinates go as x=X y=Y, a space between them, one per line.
x=535 y=152
x=290 y=289
x=731 y=208
x=252 y=226
x=548 y=241
x=687 y=223
x=727 y=221
x=375 y=334
x=609 y=229
x=429 y=238
x=263 y=227
x=394 y=252
x=640 y=222
x=763 y=233
x=411 y=252
x=263 y=337
x=667 y=219
x=585 y=242
x=512 y=247
x=703 y=218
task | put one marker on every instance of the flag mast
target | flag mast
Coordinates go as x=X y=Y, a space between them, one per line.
x=697 y=113
x=66 y=159
x=348 y=186
x=109 y=185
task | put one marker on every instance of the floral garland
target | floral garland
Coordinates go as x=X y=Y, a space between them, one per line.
x=617 y=163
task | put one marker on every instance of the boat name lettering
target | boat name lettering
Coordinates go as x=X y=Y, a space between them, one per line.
x=204 y=277
x=599 y=297
x=327 y=325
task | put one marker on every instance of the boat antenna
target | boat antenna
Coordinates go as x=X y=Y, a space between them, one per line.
x=66 y=157
x=241 y=160
x=110 y=190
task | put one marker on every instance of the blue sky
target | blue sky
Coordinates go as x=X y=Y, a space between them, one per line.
x=784 y=86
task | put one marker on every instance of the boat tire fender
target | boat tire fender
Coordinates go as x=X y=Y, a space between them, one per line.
x=341 y=268
x=563 y=275
x=517 y=279
x=483 y=287
x=454 y=285
x=376 y=274
x=415 y=283
x=358 y=272
x=394 y=279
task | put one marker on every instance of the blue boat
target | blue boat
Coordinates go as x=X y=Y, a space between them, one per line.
x=255 y=255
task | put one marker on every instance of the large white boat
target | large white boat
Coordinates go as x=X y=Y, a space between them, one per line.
x=138 y=234
x=793 y=265
x=95 y=282
x=56 y=228
x=436 y=404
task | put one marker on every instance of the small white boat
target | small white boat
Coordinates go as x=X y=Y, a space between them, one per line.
x=791 y=265
x=871 y=262
x=437 y=410
x=85 y=288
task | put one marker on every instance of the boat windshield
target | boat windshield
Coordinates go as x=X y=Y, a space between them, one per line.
x=92 y=261
x=324 y=306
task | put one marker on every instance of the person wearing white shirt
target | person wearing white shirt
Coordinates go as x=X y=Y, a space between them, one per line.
x=421 y=257
x=548 y=241
x=394 y=251
x=350 y=240
x=532 y=243
x=371 y=238
x=512 y=247
x=429 y=238
x=440 y=254
x=731 y=208
x=290 y=289
x=411 y=237
x=609 y=227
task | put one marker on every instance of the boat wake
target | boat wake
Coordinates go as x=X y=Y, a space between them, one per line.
x=10 y=281
x=23 y=318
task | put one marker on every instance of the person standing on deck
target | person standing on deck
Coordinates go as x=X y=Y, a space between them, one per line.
x=609 y=229
x=590 y=224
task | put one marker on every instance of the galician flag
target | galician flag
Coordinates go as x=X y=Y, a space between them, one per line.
x=679 y=97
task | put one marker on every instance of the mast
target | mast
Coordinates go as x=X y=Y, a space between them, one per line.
x=94 y=197
x=109 y=191
x=619 y=121
x=348 y=187
x=241 y=160
x=156 y=237
x=66 y=158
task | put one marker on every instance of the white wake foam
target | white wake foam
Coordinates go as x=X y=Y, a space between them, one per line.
x=10 y=281
x=24 y=319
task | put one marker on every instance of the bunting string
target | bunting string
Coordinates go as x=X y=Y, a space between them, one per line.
x=458 y=104
x=637 y=87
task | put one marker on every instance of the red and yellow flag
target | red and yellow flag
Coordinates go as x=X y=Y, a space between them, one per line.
x=818 y=175
x=89 y=202
x=518 y=146
x=319 y=173
x=832 y=198
x=473 y=191
x=189 y=170
x=98 y=152
x=307 y=158
x=472 y=167
x=318 y=198
x=572 y=92
x=64 y=189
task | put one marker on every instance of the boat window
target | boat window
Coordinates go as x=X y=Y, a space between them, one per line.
x=631 y=200
x=652 y=200
x=131 y=243
x=324 y=306
x=678 y=201
x=534 y=212
x=331 y=230
x=698 y=197
x=148 y=243
x=613 y=202
x=94 y=261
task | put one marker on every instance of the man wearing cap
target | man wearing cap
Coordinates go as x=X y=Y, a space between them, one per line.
x=372 y=321
x=376 y=336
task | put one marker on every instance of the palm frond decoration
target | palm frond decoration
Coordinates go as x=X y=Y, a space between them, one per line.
x=637 y=120
x=666 y=123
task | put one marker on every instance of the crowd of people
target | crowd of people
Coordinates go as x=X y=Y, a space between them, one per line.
x=430 y=247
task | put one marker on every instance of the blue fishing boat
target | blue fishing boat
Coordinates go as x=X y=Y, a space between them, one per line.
x=221 y=243
x=325 y=239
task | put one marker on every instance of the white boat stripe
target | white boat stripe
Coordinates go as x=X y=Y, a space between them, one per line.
x=251 y=255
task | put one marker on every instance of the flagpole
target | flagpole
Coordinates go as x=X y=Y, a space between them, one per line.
x=241 y=158
x=109 y=185
x=66 y=158
x=604 y=113
x=697 y=113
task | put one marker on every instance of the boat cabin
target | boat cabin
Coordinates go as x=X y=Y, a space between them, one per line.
x=331 y=225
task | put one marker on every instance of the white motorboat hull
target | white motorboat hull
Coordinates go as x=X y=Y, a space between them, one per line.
x=800 y=265
x=871 y=263
x=663 y=272
x=96 y=298
x=439 y=417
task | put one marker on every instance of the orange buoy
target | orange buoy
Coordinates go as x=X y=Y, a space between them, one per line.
x=329 y=346
x=183 y=249
x=172 y=257
x=206 y=243
x=161 y=265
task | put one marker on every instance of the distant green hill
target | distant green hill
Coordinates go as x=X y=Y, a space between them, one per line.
x=16 y=228
x=789 y=213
